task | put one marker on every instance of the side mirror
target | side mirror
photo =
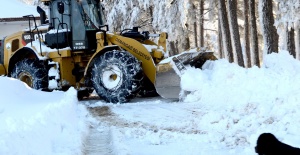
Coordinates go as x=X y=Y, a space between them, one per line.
x=61 y=7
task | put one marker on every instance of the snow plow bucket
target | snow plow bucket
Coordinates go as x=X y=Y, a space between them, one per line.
x=169 y=71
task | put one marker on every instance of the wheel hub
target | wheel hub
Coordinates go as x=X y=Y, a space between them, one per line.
x=112 y=77
x=27 y=78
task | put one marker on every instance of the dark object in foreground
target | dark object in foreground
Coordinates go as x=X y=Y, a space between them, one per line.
x=268 y=144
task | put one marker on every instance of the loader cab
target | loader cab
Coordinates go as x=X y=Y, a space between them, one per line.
x=74 y=23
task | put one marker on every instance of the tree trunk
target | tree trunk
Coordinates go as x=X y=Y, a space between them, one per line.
x=201 y=24
x=291 y=42
x=221 y=54
x=267 y=22
x=195 y=26
x=253 y=34
x=187 y=42
x=234 y=29
x=225 y=30
x=173 y=48
x=246 y=35
x=298 y=41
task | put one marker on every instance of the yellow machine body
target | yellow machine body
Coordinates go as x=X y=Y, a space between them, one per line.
x=72 y=66
x=15 y=44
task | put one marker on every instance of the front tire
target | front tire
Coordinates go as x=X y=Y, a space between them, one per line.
x=117 y=76
x=32 y=72
x=148 y=89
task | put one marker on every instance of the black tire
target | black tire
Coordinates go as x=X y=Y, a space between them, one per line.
x=148 y=89
x=32 y=72
x=117 y=76
x=84 y=93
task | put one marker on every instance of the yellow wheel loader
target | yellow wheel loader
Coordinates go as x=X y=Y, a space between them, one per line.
x=73 y=48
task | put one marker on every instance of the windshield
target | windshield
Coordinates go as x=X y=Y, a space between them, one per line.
x=91 y=13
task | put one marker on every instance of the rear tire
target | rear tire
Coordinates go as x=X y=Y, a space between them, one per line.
x=117 y=76
x=32 y=72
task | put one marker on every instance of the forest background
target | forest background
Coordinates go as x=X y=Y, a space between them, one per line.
x=241 y=31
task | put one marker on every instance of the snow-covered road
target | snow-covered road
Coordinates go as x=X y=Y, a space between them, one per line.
x=148 y=126
x=229 y=107
x=99 y=139
x=219 y=117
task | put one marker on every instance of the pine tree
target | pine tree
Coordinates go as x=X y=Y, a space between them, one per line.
x=253 y=33
x=225 y=30
x=297 y=42
x=291 y=41
x=201 y=23
x=267 y=23
x=220 y=43
x=246 y=35
x=234 y=31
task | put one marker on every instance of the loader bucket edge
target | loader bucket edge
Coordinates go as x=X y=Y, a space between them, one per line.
x=169 y=71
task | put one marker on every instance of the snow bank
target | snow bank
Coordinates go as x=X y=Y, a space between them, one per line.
x=243 y=103
x=15 y=8
x=222 y=81
x=36 y=122
x=229 y=107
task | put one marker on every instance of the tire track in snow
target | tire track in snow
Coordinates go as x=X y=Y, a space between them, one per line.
x=105 y=116
x=98 y=141
x=106 y=119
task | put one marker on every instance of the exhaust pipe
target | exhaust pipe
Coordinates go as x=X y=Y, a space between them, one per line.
x=42 y=14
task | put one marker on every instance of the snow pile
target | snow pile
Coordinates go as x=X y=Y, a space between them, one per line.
x=36 y=122
x=276 y=80
x=8 y=9
x=244 y=102
x=229 y=107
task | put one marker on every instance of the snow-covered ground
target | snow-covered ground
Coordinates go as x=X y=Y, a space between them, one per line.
x=35 y=122
x=16 y=8
x=227 y=110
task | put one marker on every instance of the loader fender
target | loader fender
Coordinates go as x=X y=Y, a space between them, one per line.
x=2 y=70
x=100 y=52
x=19 y=55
